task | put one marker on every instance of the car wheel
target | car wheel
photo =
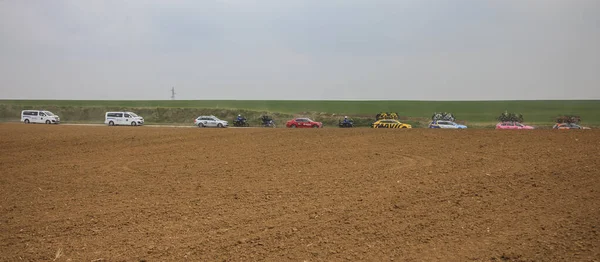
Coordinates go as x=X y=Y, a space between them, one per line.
x=219 y=125
x=404 y=127
x=200 y=125
x=133 y=124
x=293 y=126
x=26 y=121
x=315 y=126
x=47 y=122
x=111 y=123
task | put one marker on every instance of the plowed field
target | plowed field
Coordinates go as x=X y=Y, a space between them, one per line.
x=81 y=193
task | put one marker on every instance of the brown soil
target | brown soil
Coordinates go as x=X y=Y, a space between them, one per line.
x=81 y=193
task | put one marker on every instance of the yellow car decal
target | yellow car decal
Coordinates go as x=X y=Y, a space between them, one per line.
x=378 y=124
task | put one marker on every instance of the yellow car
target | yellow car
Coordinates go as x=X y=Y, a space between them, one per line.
x=389 y=123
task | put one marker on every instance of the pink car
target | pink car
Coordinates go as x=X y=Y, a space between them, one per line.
x=512 y=125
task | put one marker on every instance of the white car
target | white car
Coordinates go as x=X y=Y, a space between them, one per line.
x=39 y=116
x=445 y=124
x=123 y=118
x=210 y=121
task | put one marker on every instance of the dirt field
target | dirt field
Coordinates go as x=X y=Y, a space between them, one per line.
x=79 y=193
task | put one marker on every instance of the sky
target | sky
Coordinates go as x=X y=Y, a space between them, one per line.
x=300 y=49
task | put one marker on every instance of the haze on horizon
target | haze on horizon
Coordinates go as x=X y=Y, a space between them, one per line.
x=300 y=49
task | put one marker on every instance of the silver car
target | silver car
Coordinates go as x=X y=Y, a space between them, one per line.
x=210 y=121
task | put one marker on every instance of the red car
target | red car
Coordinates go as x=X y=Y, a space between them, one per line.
x=303 y=122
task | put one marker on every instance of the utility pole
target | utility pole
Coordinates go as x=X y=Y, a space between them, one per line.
x=173 y=93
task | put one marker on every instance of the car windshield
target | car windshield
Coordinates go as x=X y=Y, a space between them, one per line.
x=133 y=115
x=48 y=113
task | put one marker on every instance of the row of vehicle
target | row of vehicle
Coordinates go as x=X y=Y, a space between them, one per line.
x=132 y=119
x=267 y=121
x=390 y=123
x=240 y=121
x=110 y=118
x=517 y=125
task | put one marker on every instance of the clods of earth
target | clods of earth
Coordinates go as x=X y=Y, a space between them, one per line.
x=83 y=193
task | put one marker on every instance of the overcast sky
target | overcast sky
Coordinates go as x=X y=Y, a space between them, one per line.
x=300 y=49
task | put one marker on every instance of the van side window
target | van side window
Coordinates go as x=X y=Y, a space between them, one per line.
x=127 y=115
x=42 y=114
x=119 y=115
x=111 y=115
x=30 y=113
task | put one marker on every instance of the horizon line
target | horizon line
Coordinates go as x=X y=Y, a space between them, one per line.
x=308 y=100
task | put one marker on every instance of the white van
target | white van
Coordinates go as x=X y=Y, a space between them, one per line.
x=123 y=118
x=39 y=116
